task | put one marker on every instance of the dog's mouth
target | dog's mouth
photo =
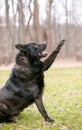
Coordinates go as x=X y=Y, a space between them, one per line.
x=42 y=51
x=43 y=54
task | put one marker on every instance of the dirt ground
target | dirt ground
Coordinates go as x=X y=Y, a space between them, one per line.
x=57 y=63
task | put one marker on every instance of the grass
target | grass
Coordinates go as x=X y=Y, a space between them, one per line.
x=62 y=99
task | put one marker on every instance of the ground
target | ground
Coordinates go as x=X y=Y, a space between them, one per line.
x=62 y=99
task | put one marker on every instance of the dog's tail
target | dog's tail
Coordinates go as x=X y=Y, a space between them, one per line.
x=48 y=62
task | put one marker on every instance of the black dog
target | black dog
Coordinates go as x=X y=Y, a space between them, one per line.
x=26 y=83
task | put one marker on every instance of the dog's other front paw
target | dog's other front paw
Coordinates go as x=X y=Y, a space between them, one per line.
x=48 y=119
x=61 y=44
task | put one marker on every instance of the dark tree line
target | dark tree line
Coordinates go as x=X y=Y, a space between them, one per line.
x=24 y=26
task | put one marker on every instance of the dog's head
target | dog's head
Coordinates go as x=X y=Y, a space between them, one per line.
x=33 y=50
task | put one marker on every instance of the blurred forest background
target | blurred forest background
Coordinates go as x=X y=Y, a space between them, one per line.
x=23 y=21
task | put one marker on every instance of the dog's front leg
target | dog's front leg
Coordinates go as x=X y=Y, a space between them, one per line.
x=40 y=106
x=48 y=62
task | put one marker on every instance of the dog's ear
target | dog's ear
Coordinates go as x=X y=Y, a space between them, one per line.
x=21 y=47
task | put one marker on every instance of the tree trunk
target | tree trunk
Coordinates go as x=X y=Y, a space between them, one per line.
x=36 y=21
x=67 y=33
x=27 y=29
x=7 y=13
x=49 y=23
x=21 y=22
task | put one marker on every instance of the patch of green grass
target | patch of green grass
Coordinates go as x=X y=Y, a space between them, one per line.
x=62 y=99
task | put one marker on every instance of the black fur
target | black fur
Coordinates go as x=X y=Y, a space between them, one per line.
x=26 y=82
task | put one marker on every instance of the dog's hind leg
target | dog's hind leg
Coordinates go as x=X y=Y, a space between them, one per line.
x=48 y=62
x=4 y=117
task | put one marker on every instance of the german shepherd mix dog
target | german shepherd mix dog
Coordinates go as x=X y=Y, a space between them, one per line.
x=26 y=83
